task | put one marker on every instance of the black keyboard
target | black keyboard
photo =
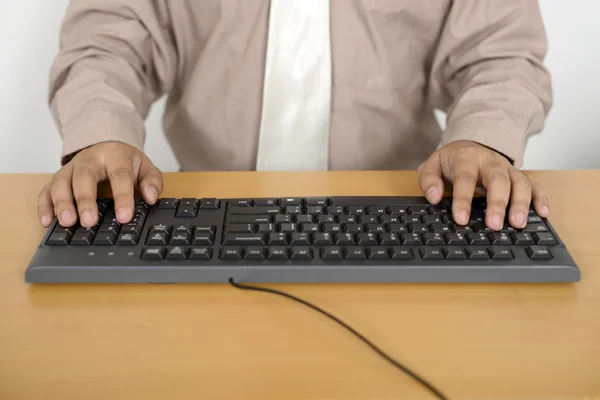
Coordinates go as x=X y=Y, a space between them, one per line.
x=327 y=239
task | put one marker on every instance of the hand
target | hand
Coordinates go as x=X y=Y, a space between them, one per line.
x=72 y=192
x=466 y=165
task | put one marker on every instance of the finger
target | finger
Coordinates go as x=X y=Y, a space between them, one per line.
x=540 y=200
x=62 y=197
x=464 y=178
x=121 y=177
x=86 y=174
x=430 y=179
x=45 y=208
x=497 y=182
x=150 y=181
x=520 y=198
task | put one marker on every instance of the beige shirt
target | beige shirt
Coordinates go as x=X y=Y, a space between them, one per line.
x=393 y=62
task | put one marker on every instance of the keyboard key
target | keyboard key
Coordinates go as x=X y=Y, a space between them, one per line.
x=249 y=219
x=180 y=239
x=200 y=253
x=399 y=210
x=354 y=253
x=277 y=253
x=355 y=210
x=334 y=210
x=82 y=238
x=304 y=219
x=186 y=212
x=176 y=253
x=276 y=239
x=410 y=219
x=157 y=238
x=127 y=239
x=244 y=239
x=240 y=203
x=202 y=239
x=309 y=228
x=397 y=228
x=388 y=219
x=322 y=239
x=110 y=227
x=544 y=238
x=287 y=228
x=368 y=219
x=418 y=228
x=418 y=210
x=455 y=238
x=291 y=201
x=188 y=202
x=375 y=228
x=239 y=228
x=501 y=253
x=153 y=253
x=167 y=203
x=255 y=253
x=325 y=219
x=478 y=253
x=205 y=229
x=533 y=219
x=439 y=228
x=317 y=201
x=431 y=219
x=538 y=252
x=314 y=210
x=500 y=238
x=388 y=239
x=366 y=239
x=410 y=238
x=292 y=210
x=283 y=219
x=301 y=253
x=140 y=202
x=332 y=228
x=132 y=228
x=160 y=228
x=376 y=210
x=105 y=239
x=344 y=239
x=521 y=238
x=266 y=202
x=465 y=229
x=59 y=238
x=438 y=210
x=378 y=253
x=267 y=228
x=432 y=253
x=299 y=239
x=434 y=239
x=231 y=253
x=183 y=229
x=346 y=219
x=535 y=228
x=401 y=253
x=331 y=253
x=455 y=253
x=254 y=210
x=353 y=228
x=477 y=238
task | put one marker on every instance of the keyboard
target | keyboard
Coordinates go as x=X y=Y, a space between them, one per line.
x=300 y=240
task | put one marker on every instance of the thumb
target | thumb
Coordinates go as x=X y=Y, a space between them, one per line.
x=431 y=179
x=150 y=181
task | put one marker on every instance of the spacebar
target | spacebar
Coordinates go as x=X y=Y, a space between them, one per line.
x=378 y=201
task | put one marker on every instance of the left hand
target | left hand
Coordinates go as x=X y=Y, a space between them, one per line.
x=466 y=165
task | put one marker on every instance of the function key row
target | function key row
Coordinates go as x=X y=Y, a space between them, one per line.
x=275 y=209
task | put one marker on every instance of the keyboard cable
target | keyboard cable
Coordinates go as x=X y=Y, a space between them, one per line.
x=383 y=354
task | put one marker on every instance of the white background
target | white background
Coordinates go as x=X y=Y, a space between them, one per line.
x=29 y=141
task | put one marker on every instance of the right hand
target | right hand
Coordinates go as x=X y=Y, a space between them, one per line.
x=72 y=192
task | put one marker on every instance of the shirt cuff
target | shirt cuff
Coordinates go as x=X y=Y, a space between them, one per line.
x=499 y=135
x=98 y=127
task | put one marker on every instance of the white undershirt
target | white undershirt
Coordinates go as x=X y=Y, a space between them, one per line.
x=294 y=132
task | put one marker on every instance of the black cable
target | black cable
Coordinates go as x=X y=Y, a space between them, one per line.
x=395 y=363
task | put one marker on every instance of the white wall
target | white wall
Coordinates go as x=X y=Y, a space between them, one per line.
x=29 y=39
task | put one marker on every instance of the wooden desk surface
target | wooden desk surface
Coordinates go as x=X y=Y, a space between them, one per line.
x=505 y=341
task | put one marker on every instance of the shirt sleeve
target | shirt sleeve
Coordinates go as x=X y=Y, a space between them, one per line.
x=488 y=74
x=116 y=58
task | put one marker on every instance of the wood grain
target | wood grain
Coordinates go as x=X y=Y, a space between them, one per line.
x=507 y=341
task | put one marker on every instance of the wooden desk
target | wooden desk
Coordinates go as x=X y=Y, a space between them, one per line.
x=503 y=341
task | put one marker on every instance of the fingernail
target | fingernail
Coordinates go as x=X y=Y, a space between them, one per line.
x=45 y=220
x=497 y=221
x=520 y=218
x=122 y=214
x=86 y=218
x=544 y=211
x=432 y=193
x=65 y=216
x=152 y=193
x=462 y=218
